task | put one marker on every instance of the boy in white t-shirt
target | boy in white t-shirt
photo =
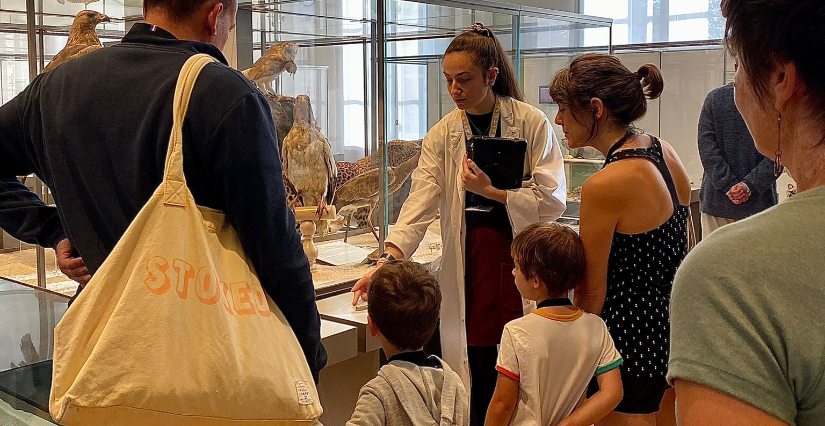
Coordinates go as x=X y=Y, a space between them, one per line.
x=547 y=358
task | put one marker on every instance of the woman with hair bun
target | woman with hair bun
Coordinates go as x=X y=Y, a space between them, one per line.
x=634 y=218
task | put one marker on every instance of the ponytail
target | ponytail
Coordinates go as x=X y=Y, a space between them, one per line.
x=487 y=53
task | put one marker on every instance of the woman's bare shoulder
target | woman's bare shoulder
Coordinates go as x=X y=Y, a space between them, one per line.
x=613 y=183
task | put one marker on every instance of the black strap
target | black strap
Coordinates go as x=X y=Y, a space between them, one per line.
x=563 y=301
x=654 y=154
x=662 y=165
x=619 y=143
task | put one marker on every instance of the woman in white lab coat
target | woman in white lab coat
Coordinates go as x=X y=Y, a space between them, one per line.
x=478 y=221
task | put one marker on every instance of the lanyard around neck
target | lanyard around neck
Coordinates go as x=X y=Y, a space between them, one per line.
x=468 y=132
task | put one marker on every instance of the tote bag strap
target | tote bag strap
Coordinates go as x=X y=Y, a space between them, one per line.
x=174 y=184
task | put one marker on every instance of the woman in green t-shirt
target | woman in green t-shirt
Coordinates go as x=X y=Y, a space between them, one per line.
x=747 y=330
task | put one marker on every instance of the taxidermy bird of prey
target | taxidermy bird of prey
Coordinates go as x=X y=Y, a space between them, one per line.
x=277 y=59
x=82 y=38
x=307 y=159
x=86 y=2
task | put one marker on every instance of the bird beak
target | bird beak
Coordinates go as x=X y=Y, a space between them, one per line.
x=106 y=19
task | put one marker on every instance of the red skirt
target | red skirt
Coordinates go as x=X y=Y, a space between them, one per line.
x=492 y=298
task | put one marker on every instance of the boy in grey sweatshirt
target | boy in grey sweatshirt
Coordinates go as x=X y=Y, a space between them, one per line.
x=412 y=389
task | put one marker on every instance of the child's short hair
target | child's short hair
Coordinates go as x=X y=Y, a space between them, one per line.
x=404 y=304
x=552 y=252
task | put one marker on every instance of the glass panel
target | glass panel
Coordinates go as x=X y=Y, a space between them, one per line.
x=53 y=21
x=548 y=45
x=29 y=316
x=56 y=21
x=334 y=68
x=659 y=21
x=331 y=63
x=690 y=76
x=14 y=66
x=14 y=77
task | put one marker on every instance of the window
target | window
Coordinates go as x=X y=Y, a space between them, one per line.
x=689 y=29
x=616 y=9
x=407 y=80
x=685 y=7
x=658 y=21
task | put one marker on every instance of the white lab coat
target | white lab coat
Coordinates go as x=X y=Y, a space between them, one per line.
x=436 y=184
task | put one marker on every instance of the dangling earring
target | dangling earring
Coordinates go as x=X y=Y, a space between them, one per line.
x=778 y=168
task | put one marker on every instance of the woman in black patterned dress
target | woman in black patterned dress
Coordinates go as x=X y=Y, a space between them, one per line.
x=634 y=218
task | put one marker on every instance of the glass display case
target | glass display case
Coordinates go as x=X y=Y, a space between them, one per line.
x=335 y=41
x=372 y=72
x=32 y=33
x=54 y=21
x=28 y=315
x=549 y=41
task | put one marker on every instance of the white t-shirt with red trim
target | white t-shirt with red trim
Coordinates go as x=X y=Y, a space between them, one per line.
x=553 y=357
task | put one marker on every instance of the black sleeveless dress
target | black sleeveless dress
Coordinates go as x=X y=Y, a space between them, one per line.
x=640 y=273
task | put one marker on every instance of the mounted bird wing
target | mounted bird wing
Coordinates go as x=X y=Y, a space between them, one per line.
x=362 y=187
x=263 y=67
x=332 y=173
x=402 y=172
x=292 y=199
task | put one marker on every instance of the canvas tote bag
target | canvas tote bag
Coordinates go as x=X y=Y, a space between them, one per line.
x=175 y=329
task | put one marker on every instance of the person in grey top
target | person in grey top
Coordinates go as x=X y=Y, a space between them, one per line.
x=738 y=181
x=412 y=389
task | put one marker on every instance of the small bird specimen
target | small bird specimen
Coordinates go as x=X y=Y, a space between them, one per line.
x=307 y=159
x=82 y=38
x=278 y=58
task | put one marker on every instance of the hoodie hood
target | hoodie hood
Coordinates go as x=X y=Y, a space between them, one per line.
x=428 y=396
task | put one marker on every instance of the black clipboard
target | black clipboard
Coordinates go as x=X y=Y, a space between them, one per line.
x=502 y=159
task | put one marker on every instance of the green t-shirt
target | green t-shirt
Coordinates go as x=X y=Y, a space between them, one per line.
x=748 y=311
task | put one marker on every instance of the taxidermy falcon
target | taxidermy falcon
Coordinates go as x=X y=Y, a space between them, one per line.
x=86 y=2
x=82 y=38
x=278 y=58
x=307 y=159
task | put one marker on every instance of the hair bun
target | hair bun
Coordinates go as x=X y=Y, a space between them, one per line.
x=652 y=80
x=479 y=28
